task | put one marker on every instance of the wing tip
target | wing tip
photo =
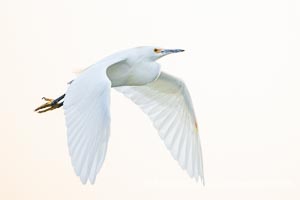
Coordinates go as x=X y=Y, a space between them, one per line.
x=84 y=180
x=197 y=177
x=92 y=179
x=202 y=180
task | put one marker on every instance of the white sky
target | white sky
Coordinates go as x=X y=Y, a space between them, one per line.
x=241 y=66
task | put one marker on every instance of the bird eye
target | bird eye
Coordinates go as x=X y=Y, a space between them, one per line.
x=157 y=50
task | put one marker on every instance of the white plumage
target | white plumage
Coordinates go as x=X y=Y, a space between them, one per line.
x=136 y=74
x=168 y=104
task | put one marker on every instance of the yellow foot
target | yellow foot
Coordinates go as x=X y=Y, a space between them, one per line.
x=49 y=105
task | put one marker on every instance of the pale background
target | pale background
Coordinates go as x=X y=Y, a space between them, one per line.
x=241 y=66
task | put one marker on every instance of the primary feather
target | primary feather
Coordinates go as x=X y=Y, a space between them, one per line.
x=87 y=114
x=168 y=104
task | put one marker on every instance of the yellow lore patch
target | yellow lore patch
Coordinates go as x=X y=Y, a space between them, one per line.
x=157 y=50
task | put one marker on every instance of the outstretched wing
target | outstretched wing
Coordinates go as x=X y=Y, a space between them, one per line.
x=168 y=104
x=87 y=114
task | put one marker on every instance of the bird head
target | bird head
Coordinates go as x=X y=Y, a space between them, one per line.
x=154 y=53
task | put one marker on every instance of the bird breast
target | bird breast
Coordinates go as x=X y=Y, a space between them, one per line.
x=124 y=74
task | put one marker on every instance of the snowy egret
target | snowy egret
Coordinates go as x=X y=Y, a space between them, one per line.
x=136 y=74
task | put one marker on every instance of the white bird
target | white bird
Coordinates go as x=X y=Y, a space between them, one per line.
x=136 y=74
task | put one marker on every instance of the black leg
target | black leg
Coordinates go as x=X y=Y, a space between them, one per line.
x=55 y=101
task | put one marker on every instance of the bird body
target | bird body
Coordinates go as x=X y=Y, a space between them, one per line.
x=128 y=73
x=136 y=74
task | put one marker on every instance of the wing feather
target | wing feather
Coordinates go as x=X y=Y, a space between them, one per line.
x=168 y=104
x=87 y=114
